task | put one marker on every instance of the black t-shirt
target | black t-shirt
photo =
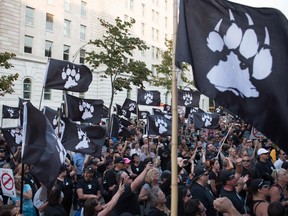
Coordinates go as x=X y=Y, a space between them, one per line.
x=128 y=202
x=264 y=170
x=137 y=169
x=156 y=212
x=237 y=201
x=205 y=196
x=55 y=210
x=90 y=187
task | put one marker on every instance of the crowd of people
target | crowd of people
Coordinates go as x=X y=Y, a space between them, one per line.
x=220 y=172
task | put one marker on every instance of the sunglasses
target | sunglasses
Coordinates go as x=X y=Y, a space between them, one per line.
x=263 y=185
x=245 y=160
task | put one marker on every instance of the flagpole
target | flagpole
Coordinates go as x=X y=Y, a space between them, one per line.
x=174 y=141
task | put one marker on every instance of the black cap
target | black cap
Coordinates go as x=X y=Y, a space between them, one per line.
x=118 y=160
x=199 y=170
x=226 y=175
x=257 y=184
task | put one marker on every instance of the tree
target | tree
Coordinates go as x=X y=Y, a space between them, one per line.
x=117 y=46
x=164 y=70
x=6 y=81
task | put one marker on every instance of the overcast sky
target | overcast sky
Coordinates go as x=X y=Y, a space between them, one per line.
x=281 y=5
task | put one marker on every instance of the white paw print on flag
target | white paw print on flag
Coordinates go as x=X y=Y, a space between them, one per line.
x=17 y=134
x=161 y=124
x=71 y=76
x=83 y=140
x=187 y=98
x=233 y=74
x=132 y=107
x=86 y=109
x=207 y=119
x=148 y=97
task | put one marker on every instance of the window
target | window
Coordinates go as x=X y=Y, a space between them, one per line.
x=153 y=51
x=27 y=88
x=166 y=22
x=67 y=5
x=166 y=5
x=157 y=17
x=143 y=53
x=28 y=44
x=82 y=56
x=157 y=35
x=29 y=16
x=129 y=5
x=47 y=94
x=82 y=32
x=153 y=69
x=66 y=50
x=143 y=29
x=157 y=53
x=83 y=8
x=153 y=34
x=153 y=15
x=48 y=48
x=67 y=24
x=49 y=22
x=128 y=93
x=143 y=10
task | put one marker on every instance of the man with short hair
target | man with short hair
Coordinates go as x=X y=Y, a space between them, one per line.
x=199 y=190
x=282 y=158
x=264 y=166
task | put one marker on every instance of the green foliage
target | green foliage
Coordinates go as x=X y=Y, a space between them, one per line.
x=6 y=81
x=164 y=70
x=117 y=45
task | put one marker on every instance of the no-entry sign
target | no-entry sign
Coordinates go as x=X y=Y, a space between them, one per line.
x=7 y=182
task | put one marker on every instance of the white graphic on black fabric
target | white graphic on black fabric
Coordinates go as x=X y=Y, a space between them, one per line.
x=124 y=112
x=11 y=112
x=193 y=110
x=207 y=119
x=17 y=135
x=87 y=110
x=232 y=74
x=61 y=150
x=161 y=124
x=132 y=107
x=57 y=130
x=218 y=110
x=144 y=115
x=187 y=98
x=71 y=76
x=148 y=97
x=84 y=140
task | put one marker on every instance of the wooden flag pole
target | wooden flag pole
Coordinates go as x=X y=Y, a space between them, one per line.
x=174 y=141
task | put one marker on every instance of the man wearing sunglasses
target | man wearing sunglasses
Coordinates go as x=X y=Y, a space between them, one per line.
x=264 y=166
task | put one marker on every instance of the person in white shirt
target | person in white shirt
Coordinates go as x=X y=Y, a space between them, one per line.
x=282 y=158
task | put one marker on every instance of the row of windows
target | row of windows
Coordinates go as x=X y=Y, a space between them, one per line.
x=28 y=48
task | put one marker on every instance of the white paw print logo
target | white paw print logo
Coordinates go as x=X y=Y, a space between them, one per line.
x=11 y=112
x=144 y=115
x=233 y=73
x=132 y=107
x=124 y=112
x=187 y=98
x=84 y=140
x=148 y=97
x=87 y=110
x=17 y=134
x=207 y=119
x=57 y=130
x=161 y=124
x=71 y=76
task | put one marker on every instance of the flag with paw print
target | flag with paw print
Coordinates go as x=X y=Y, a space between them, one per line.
x=68 y=76
x=129 y=106
x=10 y=112
x=13 y=136
x=188 y=98
x=239 y=59
x=159 y=125
x=205 y=120
x=85 y=110
x=148 y=98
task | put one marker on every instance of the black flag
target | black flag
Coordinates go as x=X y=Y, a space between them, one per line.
x=159 y=125
x=41 y=146
x=85 y=110
x=54 y=117
x=188 y=98
x=148 y=98
x=65 y=75
x=129 y=106
x=167 y=108
x=13 y=136
x=10 y=112
x=206 y=120
x=143 y=114
x=83 y=138
x=114 y=126
x=243 y=60
x=192 y=110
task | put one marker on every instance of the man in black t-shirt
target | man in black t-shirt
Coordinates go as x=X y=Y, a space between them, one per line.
x=87 y=187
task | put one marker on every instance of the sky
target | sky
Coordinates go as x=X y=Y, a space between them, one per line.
x=281 y=5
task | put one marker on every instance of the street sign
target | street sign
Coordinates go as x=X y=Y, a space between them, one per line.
x=7 y=182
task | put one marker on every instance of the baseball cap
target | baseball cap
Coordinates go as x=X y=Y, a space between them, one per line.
x=226 y=175
x=258 y=184
x=199 y=170
x=119 y=160
x=261 y=151
x=2 y=149
x=126 y=160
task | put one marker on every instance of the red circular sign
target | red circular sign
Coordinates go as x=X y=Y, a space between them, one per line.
x=7 y=181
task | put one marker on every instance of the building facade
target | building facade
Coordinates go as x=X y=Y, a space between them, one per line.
x=36 y=30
